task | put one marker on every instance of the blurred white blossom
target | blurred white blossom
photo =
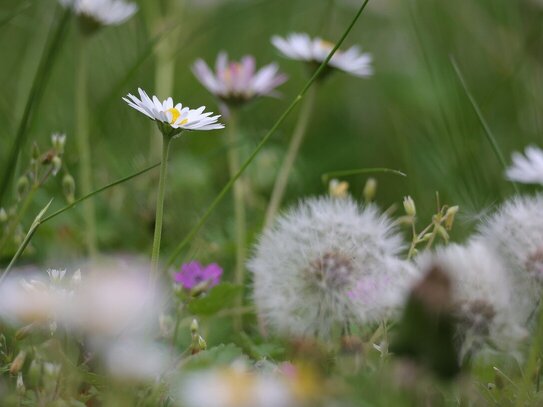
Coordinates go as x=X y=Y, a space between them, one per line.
x=527 y=168
x=102 y=12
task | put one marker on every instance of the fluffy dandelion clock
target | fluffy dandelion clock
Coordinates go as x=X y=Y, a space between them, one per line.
x=527 y=168
x=481 y=298
x=102 y=12
x=515 y=233
x=238 y=82
x=173 y=119
x=325 y=264
x=302 y=47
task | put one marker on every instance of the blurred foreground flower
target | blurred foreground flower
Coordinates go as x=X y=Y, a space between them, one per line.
x=326 y=264
x=238 y=82
x=95 y=13
x=302 y=47
x=172 y=120
x=527 y=168
x=194 y=275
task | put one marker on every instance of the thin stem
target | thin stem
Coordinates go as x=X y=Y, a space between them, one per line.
x=281 y=181
x=160 y=207
x=84 y=147
x=234 y=160
x=264 y=140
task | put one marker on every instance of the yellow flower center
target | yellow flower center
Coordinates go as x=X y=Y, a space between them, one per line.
x=175 y=115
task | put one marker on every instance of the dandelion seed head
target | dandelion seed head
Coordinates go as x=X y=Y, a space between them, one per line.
x=311 y=267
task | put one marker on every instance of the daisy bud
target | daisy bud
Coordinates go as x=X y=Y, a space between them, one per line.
x=68 y=187
x=20 y=386
x=449 y=216
x=409 y=206
x=338 y=189
x=58 y=141
x=23 y=186
x=370 y=189
x=202 y=345
x=57 y=164
x=194 y=327
x=17 y=363
x=3 y=215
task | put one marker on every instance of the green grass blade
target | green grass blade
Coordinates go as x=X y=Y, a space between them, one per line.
x=36 y=92
x=263 y=142
x=7 y=18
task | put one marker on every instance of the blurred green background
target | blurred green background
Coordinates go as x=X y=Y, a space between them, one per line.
x=412 y=115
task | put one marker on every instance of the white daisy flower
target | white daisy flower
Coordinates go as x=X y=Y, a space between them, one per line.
x=325 y=264
x=527 y=168
x=237 y=82
x=102 y=12
x=302 y=47
x=515 y=233
x=171 y=119
x=481 y=296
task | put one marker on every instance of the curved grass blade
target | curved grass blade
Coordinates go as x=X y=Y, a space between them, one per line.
x=345 y=173
x=7 y=18
x=40 y=219
x=54 y=42
x=489 y=135
x=263 y=142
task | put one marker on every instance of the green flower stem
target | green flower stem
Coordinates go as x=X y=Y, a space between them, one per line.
x=239 y=208
x=84 y=148
x=155 y=257
x=264 y=140
x=281 y=181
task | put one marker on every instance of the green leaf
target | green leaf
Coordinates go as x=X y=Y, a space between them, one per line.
x=217 y=356
x=218 y=298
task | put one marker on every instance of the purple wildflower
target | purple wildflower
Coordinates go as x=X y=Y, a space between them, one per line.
x=193 y=274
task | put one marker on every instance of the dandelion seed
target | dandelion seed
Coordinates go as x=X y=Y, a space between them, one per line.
x=172 y=120
x=302 y=47
x=311 y=269
x=102 y=12
x=527 y=168
x=238 y=82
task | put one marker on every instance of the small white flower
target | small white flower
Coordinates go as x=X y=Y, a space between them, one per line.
x=102 y=12
x=515 y=233
x=527 y=168
x=56 y=276
x=236 y=82
x=302 y=47
x=325 y=264
x=481 y=297
x=173 y=119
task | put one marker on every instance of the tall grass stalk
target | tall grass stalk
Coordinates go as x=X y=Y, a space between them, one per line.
x=281 y=181
x=234 y=162
x=84 y=146
x=264 y=140
x=53 y=44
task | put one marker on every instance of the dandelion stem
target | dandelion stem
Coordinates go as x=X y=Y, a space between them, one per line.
x=160 y=207
x=36 y=92
x=281 y=181
x=489 y=135
x=239 y=209
x=264 y=140
x=84 y=147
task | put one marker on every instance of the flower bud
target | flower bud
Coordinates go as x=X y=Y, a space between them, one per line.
x=194 y=327
x=338 y=189
x=35 y=152
x=443 y=233
x=58 y=141
x=20 y=386
x=409 y=206
x=17 y=363
x=56 y=162
x=68 y=187
x=202 y=345
x=3 y=215
x=23 y=186
x=370 y=189
x=449 y=216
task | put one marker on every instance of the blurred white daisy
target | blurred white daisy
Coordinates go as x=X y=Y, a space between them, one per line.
x=102 y=12
x=527 y=168
x=482 y=300
x=237 y=82
x=302 y=47
x=325 y=264
x=515 y=233
x=171 y=119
